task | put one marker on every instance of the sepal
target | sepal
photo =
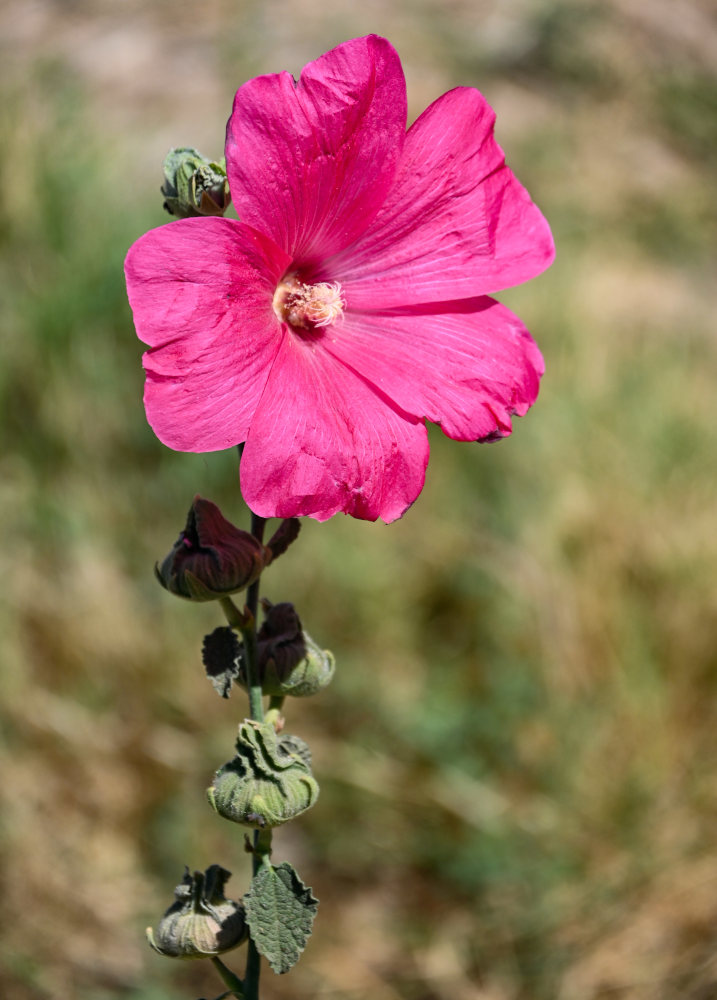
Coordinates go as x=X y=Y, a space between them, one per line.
x=285 y=534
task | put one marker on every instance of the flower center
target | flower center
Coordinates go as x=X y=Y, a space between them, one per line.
x=308 y=306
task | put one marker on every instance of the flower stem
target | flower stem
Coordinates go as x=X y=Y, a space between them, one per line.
x=256 y=706
x=262 y=838
x=236 y=987
x=273 y=713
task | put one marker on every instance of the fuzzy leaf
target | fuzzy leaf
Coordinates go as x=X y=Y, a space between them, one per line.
x=280 y=911
x=221 y=653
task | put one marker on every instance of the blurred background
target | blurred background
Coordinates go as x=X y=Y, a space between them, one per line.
x=518 y=755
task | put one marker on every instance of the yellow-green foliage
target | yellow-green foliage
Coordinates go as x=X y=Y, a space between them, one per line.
x=517 y=757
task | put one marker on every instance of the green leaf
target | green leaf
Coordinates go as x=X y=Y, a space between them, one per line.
x=280 y=911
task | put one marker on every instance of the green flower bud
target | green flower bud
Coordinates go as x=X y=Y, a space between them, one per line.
x=201 y=922
x=268 y=782
x=289 y=661
x=194 y=185
x=211 y=557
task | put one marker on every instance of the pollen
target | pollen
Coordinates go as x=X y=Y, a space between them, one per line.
x=308 y=306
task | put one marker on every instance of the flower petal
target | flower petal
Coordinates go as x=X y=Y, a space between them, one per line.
x=310 y=163
x=468 y=368
x=323 y=441
x=201 y=293
x=456 y=223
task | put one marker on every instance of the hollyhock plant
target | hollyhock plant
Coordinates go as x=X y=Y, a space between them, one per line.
x=347 y=307
x=350 y=304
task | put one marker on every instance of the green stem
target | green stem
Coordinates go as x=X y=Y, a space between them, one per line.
x=252 y=972
x=273 y=713
x=256 y=705
x=262 y=838
x=233 y=615
x=236 y=987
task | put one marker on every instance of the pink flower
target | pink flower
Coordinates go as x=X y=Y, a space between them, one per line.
x=350 y=303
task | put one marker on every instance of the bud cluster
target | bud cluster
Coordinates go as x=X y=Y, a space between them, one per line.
x=269 y=779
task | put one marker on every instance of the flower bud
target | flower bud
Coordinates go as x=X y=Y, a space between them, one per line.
x=201 y=922
x=194 y=185
x=289 y=661
x=211 y=557
x=268 y=782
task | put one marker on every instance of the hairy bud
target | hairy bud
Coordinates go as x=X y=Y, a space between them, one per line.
x=200 y=922
x=289 y=661
x=194 y=185
x=268 y=782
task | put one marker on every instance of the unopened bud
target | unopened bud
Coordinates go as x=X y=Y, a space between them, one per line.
x=211 y=558
x=268 y=782
x=194 y=185
x=289 y=661
x=201 y=921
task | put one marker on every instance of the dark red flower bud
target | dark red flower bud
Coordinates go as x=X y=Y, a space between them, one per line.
x=211 y=558
x=280 y=638
x=289 y=662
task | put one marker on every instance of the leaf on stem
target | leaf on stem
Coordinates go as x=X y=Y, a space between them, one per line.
x=280 y=911
x=221 y=656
